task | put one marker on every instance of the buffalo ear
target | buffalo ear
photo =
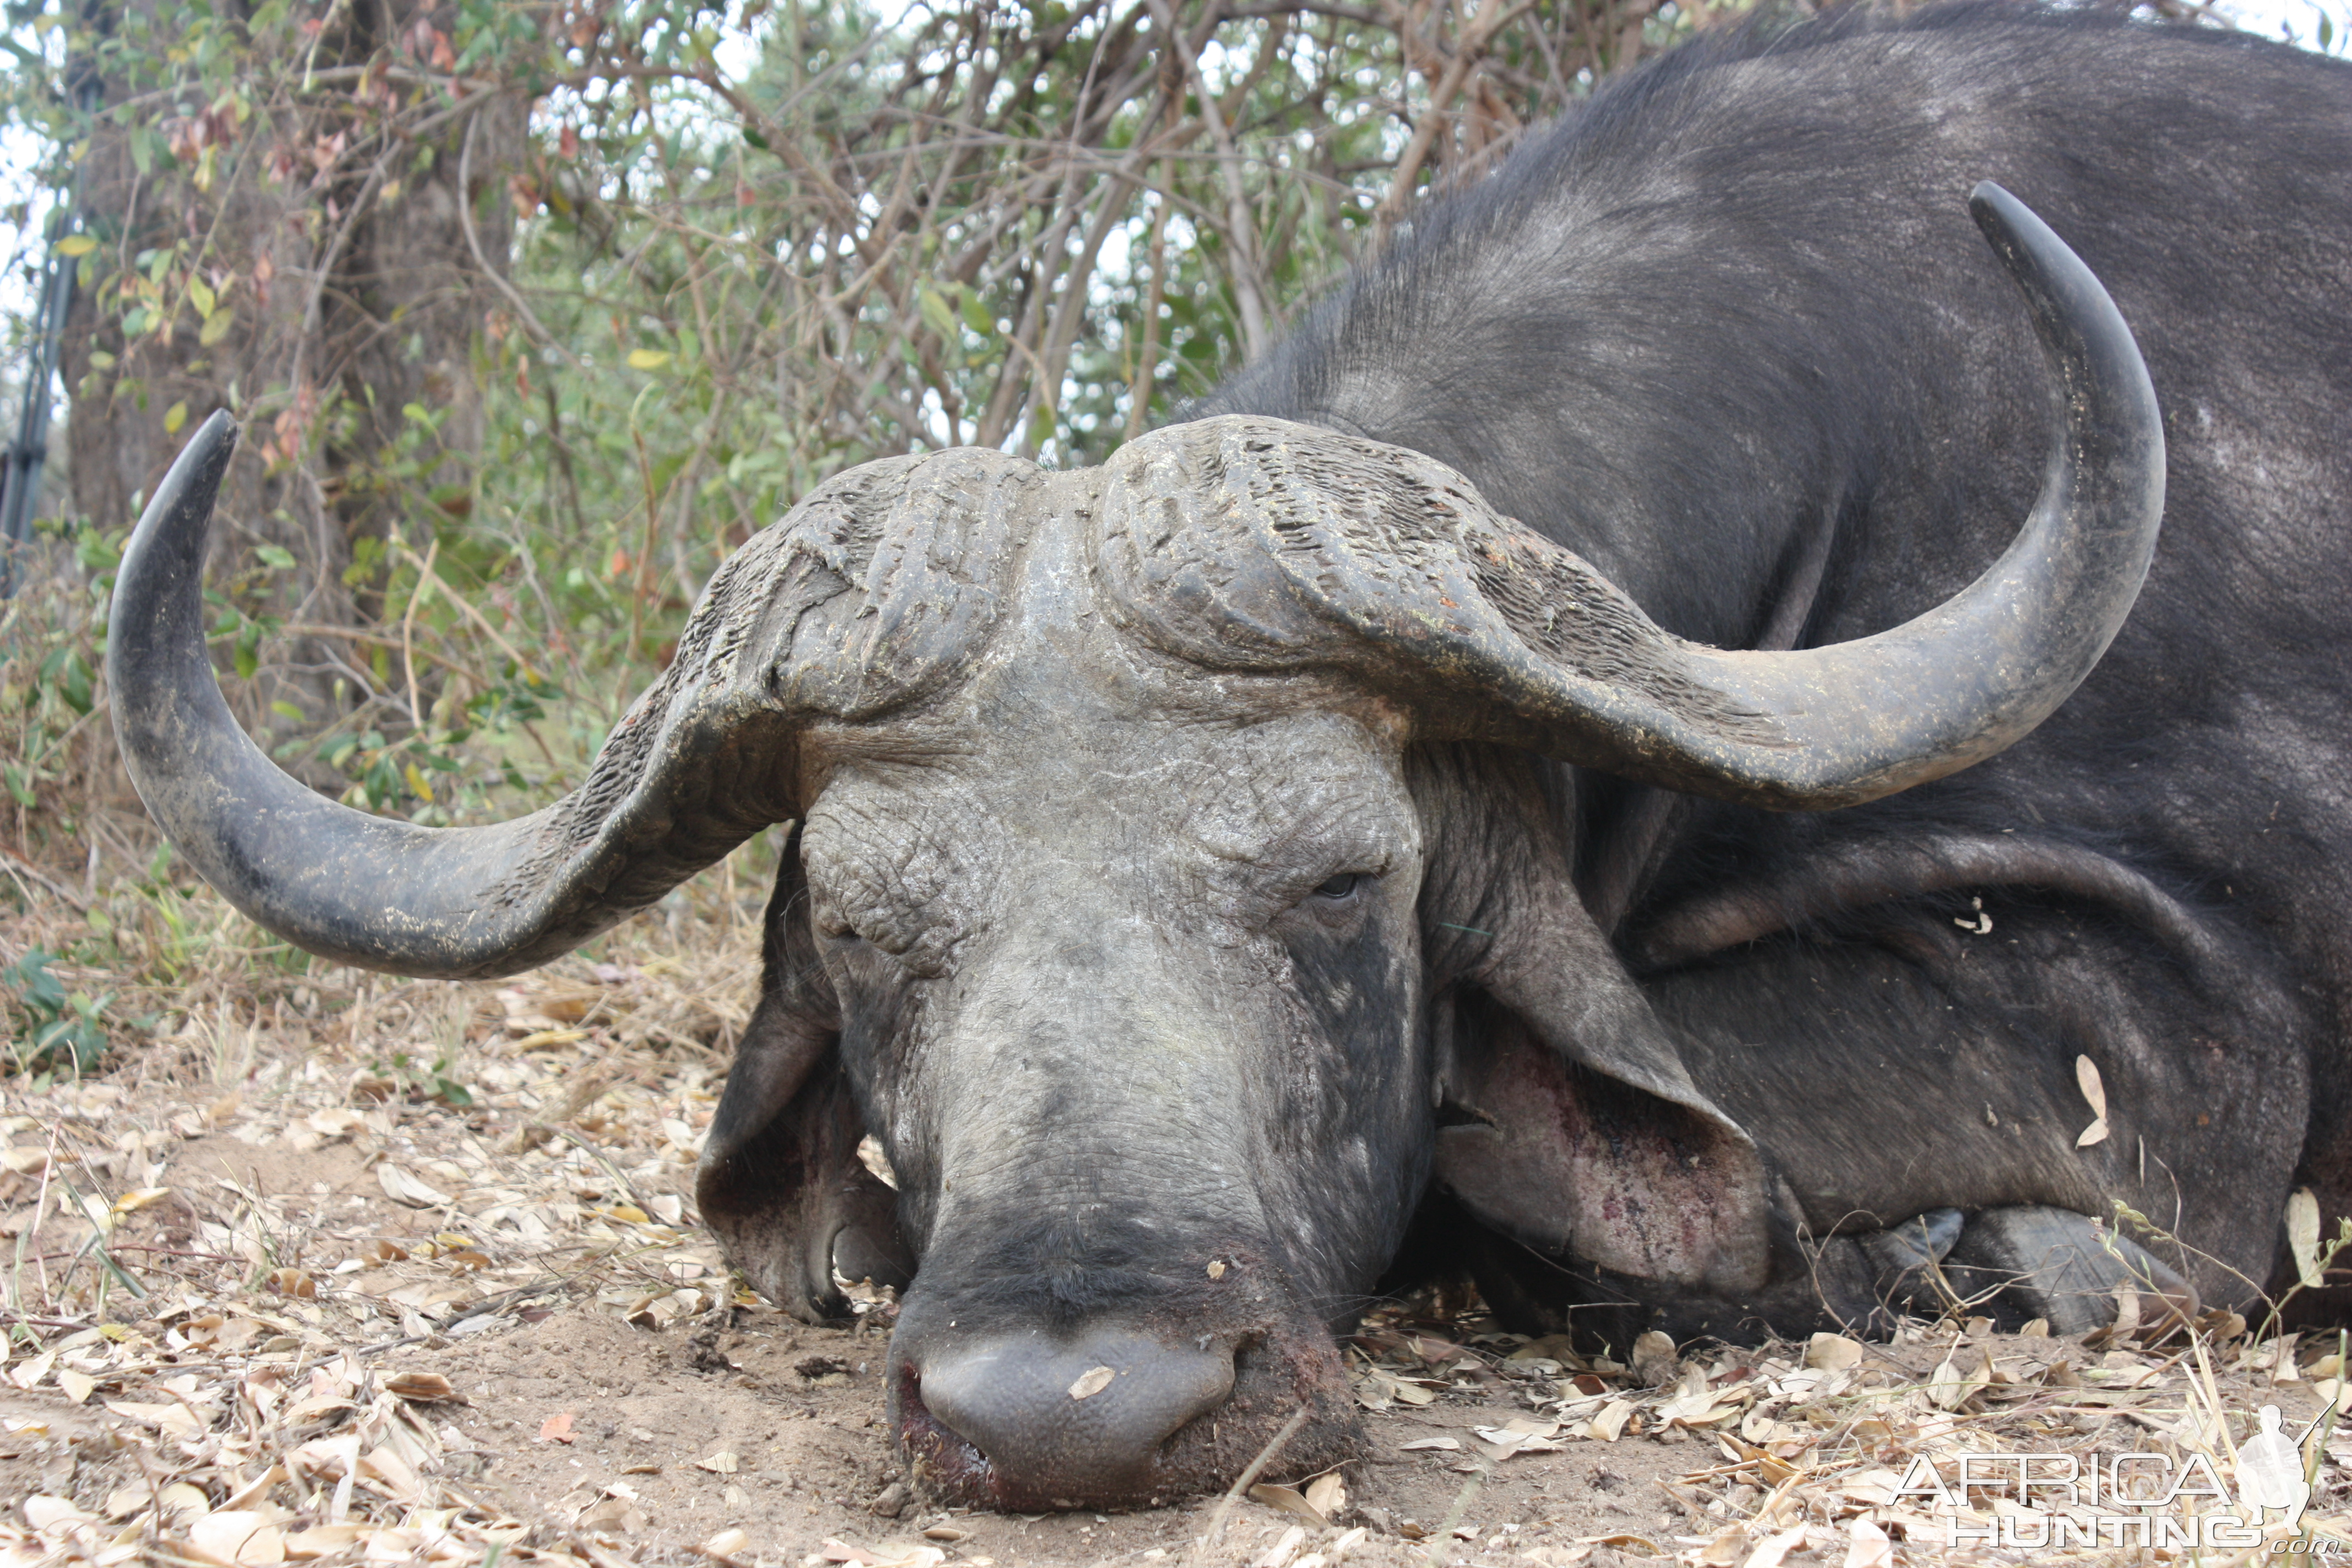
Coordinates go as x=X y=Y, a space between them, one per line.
x=1569 y=1121
x=1570 y=1160
x=781 y=1182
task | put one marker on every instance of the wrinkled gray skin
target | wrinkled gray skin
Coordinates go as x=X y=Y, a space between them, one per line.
x=1162 y=827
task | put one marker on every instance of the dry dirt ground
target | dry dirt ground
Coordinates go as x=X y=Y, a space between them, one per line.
x=411 y=1273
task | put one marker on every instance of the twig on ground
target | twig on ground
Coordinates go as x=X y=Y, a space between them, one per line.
x=1242 y=1483
x=1462 y=1500
x=602 y=1161
x=542 y=1127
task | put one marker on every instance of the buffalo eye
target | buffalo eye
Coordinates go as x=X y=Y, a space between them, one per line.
x=833 y=926
x=1340 y=887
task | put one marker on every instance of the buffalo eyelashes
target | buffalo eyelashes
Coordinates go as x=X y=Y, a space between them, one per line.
x=1341 y=886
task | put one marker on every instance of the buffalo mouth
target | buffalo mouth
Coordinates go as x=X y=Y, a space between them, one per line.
x=1027 y=1419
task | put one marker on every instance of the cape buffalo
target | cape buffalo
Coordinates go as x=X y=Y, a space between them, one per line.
x=1204 y=859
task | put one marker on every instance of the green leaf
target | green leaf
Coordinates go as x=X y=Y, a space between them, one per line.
x=175 y=416
x=276 y=555
x=76 y=245
x=976 y=314
x=200 y=296
x=1041 y=427
x=78 y=688
x=216 y=327
x=287 y=710
x=753 y=138
x=648 y=359
x=938 y=315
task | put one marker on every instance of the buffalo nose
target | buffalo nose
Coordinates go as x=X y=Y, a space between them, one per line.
x=1076 y=1419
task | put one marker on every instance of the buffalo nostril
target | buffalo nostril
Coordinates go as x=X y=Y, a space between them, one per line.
x=1078 y=1418
x=857 y=1255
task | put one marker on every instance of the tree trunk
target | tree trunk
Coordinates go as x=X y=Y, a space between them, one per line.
x=316 y=202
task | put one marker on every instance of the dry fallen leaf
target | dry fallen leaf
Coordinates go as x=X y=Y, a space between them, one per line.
x=236 y=1537
x=402 y=1187
x=1622 y=1537
x=1216 y=1268
x=1326 y=1494
x=1948 y=1387
x=1609 y=1425
x=1444 y=1445
x=893 y=1554
x=175 y=1418
x=1285 y=1500
x=422 y=1387
x=1833 y=1353
x=1868 y=1546
x=557 y=1429
x=45 y=1512
x=1653 y=1359
x=2086 y=1075
x=721 y=1463
x=2303 y=1237
x=1091 y=1381
x=1872 y=1488
x=322 y=1540
x=1773 y=1549
x=1724 y=1548
x=617 y=1515
x=1278 y=1554
x=139 y=1198
x=294 y=1282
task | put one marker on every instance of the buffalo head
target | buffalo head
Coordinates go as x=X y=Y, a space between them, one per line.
x=1170 y=853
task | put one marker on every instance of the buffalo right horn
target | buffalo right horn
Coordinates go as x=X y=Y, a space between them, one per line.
x=872 y=592
x=1307 y=548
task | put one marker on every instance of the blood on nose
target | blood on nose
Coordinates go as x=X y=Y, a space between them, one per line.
x=1070 y=1420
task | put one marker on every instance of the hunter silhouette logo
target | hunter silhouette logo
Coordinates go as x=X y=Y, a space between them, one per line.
x=2269 y=1467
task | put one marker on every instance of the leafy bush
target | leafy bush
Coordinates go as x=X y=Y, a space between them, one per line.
x=54 y=1030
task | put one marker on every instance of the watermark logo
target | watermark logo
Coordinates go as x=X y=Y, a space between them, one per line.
x=2143 y=1499
x=2270 y=1470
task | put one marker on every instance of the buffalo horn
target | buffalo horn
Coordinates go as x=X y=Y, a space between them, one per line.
x=835 y=613
x=1533 y=647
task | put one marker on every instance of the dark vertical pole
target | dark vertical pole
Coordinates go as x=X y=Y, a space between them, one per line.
x=20 y=483
x=20 y=486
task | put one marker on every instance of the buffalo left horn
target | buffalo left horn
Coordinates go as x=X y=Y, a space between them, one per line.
x=830 y=615
x=1391 y=565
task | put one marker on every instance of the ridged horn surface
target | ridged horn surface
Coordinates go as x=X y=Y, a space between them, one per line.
x=857 y=602
x=1253 y=543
